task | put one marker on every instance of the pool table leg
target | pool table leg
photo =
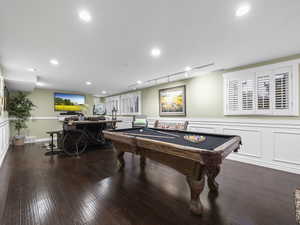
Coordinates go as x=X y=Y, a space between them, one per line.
x=121 y=161
x=142 y=162
x=212 y=172
x=196 y=187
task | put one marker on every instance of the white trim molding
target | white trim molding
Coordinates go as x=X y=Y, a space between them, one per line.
x=4 y=138
x=44 y=118
x=271 y=90
x=38 y=140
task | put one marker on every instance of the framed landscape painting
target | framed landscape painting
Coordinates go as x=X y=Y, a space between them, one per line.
x=172 y=101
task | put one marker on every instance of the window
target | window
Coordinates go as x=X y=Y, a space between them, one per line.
x=131 y=103
x=247 y=95
x=281 y=91
x=283 y=100
x=268 y=90
x=111 y=103
x=126 y=104
x=233 y=95
x=263 y=92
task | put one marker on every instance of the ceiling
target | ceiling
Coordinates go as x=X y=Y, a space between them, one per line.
x=113 y=50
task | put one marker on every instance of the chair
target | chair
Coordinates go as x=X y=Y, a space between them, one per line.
x=139 y=121
x=59 y=134
x=171 y=125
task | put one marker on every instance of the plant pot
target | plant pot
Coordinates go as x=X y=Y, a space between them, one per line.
x=19 y=140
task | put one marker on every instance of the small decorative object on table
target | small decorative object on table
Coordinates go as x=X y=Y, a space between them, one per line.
x=194 y=138
x=297 y=204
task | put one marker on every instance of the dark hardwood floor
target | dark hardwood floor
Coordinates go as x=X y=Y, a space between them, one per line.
x=59 y=190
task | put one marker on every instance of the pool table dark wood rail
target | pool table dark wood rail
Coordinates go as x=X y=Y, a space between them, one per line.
x=193 y=162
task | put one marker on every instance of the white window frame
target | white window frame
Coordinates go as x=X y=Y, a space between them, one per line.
x=249 y=111
x=253 y=73
x=111 y=99
x=128 y=97
x=291 y=102
x=226 y=103
x=271 y=90
x=120 y=106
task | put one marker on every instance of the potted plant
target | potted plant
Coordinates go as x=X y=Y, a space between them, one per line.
x=19 y=108
x=85 y=109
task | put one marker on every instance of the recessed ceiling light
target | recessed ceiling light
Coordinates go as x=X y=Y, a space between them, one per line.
x=139 y=82
x=88 y=82
x=155 y=52
x=54 y=62
x=242 y=10
x=103 y=92
x=85 y=16
x=188 y=68
x=31 y=69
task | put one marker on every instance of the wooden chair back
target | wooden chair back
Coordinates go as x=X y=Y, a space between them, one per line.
x=171 y=125
x=139 y=121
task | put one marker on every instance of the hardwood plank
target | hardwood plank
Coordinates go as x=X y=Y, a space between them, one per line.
x=59 y=190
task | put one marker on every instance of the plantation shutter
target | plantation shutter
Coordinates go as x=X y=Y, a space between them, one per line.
x=263 y=90
x=267 y=90
x=233 y=96
x=247 y=95
x=282 y=92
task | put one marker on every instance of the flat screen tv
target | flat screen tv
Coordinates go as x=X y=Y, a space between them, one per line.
x=68 y=102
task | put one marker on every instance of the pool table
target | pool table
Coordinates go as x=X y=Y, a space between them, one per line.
x=170 y=147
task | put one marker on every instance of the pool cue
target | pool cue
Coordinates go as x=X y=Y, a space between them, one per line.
x=148 y=135
x=167 y=133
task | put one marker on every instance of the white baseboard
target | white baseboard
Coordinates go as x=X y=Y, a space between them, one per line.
x=2 y=156
x=39 y=140
x=257 y=162
x=4 y=138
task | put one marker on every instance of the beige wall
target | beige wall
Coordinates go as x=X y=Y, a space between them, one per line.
x=44 y=101
x=204 y=94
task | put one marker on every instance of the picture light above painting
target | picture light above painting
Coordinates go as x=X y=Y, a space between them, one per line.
x=172 y=101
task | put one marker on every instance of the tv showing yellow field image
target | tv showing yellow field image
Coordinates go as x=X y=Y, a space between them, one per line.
x=68 y=102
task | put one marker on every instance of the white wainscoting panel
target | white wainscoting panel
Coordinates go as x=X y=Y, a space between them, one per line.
x=286 y=147
x=269 y=143
x=251 y=141
x=4 y=139
x=203 y=129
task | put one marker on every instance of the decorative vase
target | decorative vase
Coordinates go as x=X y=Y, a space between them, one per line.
x=19 y=140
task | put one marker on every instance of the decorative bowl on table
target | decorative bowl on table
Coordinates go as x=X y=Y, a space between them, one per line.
x=195 y=138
